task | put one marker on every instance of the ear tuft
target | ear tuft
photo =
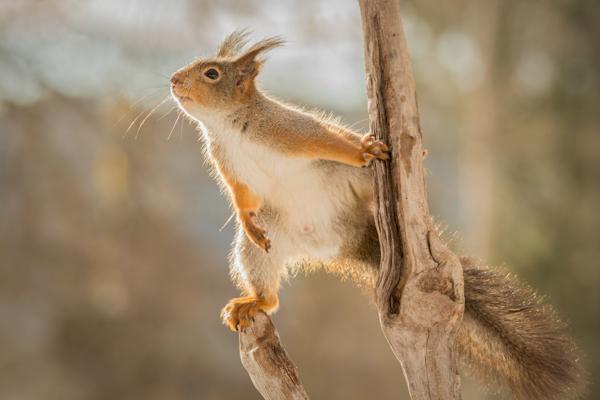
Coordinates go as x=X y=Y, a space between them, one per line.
x=251 y=60
x=264 y=46
x=233 y=44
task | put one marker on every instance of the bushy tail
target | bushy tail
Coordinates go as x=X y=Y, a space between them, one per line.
x=508 y=337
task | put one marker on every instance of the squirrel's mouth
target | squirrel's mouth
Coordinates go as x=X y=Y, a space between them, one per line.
x=182 y=100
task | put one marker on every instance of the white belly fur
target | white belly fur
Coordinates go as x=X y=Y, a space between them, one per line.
x=298 y=191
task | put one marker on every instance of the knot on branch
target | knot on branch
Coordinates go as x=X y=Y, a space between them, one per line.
x=434 y=283
x=449 y=276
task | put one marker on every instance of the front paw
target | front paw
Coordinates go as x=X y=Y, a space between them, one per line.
x=372 y=149
x=258 y=235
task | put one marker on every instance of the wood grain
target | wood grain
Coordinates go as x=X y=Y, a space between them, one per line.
x=271 y=369
x=419 y=292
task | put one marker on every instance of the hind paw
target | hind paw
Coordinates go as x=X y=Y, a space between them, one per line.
x=239 y=312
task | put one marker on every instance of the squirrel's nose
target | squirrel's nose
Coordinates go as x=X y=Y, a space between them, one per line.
x=175 y=78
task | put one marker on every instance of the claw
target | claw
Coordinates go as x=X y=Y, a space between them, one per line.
x=239 y=312
x=255 y=233
x=372 y=148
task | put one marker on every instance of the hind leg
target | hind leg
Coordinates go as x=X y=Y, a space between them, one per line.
x=258 y=274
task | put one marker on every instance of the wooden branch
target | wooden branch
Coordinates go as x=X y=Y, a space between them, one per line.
x=419 y=292
x=270 y=368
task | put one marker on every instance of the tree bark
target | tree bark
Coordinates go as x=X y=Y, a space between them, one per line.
x=419 y=293
x=271 y=369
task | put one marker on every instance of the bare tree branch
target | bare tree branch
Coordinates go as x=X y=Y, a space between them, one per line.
x=271 y=369
x=419 y=292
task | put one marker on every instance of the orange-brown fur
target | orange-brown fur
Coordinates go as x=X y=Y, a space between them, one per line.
x=246 y=205
x=294 y=174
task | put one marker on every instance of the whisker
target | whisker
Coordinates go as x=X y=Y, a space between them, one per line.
x=148 y=116
x=157 y=86
x=175 y=106
x=154 y=73
x=181 y=137
x=174 y=125
x=223 y=227
x=142 y=113
x=357 y=122
x=120 y=98
x=131 y=107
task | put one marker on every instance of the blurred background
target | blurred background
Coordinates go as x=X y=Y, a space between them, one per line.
x=113 y=264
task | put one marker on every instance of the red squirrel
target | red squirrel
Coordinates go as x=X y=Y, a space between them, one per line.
x=295 y=180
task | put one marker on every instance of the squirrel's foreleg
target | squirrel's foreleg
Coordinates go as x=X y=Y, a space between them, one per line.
x=246 y=206
x=338 y=148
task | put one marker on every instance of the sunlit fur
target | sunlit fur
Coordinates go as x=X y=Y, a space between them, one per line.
x=298 y=171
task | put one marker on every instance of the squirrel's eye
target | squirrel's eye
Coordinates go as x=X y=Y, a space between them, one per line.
x=212 y=74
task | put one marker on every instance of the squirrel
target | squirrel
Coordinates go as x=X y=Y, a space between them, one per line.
x=296 y=174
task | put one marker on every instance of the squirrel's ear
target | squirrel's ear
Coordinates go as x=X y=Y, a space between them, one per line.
x=248 y=64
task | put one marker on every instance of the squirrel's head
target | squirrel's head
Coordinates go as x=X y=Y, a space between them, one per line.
x=225 y=81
